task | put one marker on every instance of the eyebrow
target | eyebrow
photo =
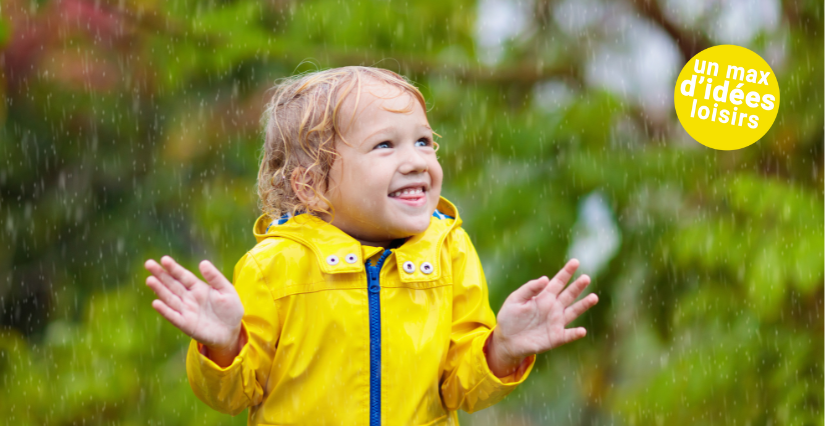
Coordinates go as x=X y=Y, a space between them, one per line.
x=385 y=129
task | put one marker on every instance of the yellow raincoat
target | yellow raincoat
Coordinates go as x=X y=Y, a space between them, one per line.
x=332 y=341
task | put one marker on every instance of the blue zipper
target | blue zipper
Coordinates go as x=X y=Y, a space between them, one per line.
x=373 y=288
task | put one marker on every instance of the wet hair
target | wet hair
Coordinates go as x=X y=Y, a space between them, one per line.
x=301 y=123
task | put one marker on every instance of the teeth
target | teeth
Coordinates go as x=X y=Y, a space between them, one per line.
x=419 y=190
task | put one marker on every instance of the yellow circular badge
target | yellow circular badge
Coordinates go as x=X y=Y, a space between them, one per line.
x=726 y=97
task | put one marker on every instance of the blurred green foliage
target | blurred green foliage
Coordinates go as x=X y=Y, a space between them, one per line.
x=131 y=130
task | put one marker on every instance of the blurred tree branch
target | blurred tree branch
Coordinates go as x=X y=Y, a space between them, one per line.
x=689 y=42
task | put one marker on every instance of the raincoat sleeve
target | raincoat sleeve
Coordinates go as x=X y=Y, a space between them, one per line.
x=467 y=382
x=241 y=384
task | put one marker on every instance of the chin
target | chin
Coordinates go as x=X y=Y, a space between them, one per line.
x=418 y=226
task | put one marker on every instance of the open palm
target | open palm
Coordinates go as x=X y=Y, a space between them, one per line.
x=534 y=316
x=209 y=313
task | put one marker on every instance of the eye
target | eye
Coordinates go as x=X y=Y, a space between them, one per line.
x=385 y=144
x=426 y=141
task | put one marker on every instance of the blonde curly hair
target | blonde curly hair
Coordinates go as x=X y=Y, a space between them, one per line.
x=301 y=125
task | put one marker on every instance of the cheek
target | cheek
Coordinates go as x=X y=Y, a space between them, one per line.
x=368 y=182
x=437 y=174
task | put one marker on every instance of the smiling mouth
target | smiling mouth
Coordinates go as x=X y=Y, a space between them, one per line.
x=410 y=196
x=408 y=193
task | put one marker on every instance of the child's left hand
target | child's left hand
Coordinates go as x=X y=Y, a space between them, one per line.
x=533 y=318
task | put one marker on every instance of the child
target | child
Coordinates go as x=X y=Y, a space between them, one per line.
x=364 y=301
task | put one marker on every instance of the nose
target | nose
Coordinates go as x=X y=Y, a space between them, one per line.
x=413 y=162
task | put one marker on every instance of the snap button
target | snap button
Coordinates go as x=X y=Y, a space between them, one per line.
x=351 y=258
x=427 y=268
x=408 y=267
x=332 y=259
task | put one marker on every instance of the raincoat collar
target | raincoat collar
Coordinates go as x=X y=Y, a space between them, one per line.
x=338 y=252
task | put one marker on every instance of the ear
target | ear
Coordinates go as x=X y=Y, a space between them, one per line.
x=302 y=182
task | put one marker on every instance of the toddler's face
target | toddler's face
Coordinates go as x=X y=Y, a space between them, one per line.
x=387 y=184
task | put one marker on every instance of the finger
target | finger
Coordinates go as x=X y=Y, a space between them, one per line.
x=573 y=291
x=213 y=276
x=560 y=280
x=571 y=334
x=170 y=314
x=170 y=282
x=529 y=290
x=166 y=296
x=180 y=273
x=578 y=308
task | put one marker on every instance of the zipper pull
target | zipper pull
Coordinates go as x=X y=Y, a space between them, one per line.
x=373 y=286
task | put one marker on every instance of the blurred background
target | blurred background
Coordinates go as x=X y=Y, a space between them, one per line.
x=130 y=130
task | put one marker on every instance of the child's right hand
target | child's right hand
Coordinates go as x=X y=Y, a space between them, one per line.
x=209 y=313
